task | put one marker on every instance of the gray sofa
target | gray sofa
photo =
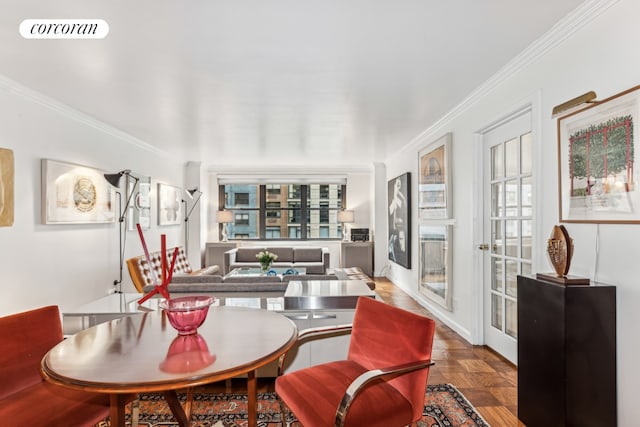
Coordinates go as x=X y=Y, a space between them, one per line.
x=315 y=260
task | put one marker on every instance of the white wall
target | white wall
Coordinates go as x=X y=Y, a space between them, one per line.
x=601 y=56
x=67 y=265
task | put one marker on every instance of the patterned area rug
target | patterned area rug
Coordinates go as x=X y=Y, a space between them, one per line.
x=444 y=406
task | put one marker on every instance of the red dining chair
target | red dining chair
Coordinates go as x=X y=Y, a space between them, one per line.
x=381 y=384
x=25 y=398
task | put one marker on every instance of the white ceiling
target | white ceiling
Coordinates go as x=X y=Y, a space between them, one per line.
x=282 y=82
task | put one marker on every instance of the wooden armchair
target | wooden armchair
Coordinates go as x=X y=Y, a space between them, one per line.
x=381 y=384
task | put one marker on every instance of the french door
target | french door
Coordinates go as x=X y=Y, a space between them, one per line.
x=507 y=228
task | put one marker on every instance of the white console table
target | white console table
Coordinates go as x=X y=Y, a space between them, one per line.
x=113 y=306
x=319 y=303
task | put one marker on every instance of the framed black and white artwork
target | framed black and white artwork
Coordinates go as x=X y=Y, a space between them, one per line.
x=399 y=211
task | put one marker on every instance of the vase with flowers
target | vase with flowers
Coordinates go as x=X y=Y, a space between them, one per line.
x=266 y=258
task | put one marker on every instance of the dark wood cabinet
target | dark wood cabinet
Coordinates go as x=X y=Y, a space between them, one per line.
x=566 y=354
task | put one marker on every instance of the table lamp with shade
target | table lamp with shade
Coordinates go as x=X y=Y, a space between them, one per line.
x=345 y=216
x=224 y=218
x=114 y=180
x=191 y=193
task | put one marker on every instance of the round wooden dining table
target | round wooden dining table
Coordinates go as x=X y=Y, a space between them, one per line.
x=144 y=353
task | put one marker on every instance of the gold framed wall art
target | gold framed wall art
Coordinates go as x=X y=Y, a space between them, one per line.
x=7 y=174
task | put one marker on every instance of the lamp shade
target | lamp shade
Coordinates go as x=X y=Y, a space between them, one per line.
x=224 y=217
x=192 y=192
x=345 y=216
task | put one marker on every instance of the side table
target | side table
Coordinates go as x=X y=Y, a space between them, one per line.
x=214 y=254
x=357 y=254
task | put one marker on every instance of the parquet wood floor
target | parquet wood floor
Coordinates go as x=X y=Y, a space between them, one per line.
x=487 y=380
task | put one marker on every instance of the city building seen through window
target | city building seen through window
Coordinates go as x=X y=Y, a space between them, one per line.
x=283 y=211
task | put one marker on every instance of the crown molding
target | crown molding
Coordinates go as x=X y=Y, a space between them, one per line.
x=39 y=98
x=562 y=30
x=285 y=170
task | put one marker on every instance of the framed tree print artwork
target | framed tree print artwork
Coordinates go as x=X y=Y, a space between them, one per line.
x=434 y=191
x=75 y=194
x=169 y=205
x=598 y=161
x=435 y=263
x=399 y=210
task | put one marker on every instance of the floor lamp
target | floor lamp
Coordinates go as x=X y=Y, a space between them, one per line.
x=224 y=218
x=188 y=214
x=114 y=180
x=345 y=217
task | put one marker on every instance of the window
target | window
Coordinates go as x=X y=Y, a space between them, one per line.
x=324 y=191
x=273 y=190
x=294 y=191
x=324 y=213
x=273 y=209
x=294 y=232
x=242 y=198
x=295 y=216
x=273 y=232
x=241 y=219
x=284 y=211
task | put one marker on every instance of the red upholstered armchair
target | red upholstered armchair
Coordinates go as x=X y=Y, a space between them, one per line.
x=382 y=382
x=25 y=398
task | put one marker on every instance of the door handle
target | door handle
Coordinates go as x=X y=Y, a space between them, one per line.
x=483 y=246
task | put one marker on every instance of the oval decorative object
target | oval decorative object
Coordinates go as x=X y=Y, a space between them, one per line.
x=560 y=250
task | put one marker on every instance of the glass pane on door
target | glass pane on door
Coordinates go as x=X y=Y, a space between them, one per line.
x=511 y=227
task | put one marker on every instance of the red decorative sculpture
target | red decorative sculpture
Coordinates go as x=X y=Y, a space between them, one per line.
x=167 y=273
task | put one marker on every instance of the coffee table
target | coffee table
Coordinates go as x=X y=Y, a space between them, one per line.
x=255 y=271
x=131 y=355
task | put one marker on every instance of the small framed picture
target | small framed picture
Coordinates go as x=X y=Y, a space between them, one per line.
x=434 y=187
x=75 y=194
x=140 y=207
x=598 y=160
x=169 y=205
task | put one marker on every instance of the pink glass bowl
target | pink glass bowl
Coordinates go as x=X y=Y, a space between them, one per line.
x=186 y=314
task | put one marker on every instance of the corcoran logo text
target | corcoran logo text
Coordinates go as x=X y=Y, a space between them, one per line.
x=64 y=29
